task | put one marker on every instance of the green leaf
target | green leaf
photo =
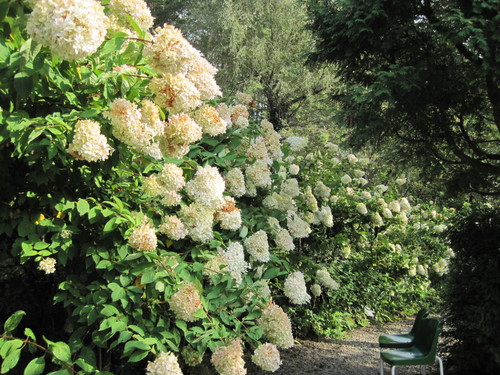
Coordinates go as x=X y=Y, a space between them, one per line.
x=137 y=356
x=131 y=345
x=10 y=361
x=13 y=321
x=23 y=83
x=35 y=367
x=148 y=276
x=243 y=232
x=271 y=273
x=82 y=207
x=61 y=351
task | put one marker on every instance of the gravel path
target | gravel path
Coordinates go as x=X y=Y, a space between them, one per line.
x=357 y=354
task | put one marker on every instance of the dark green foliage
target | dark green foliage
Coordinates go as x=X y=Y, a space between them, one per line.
x=473 y=296
x=424 y=73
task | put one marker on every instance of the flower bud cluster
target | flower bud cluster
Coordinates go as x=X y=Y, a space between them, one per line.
x=88 y=143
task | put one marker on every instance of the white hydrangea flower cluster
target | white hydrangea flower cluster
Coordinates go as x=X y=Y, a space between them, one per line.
x=198 y=220
x=258 y=175
x=441 y=267
x=133 y=127
x=346 y=179
x=235 y=258
x=175 y=92
x=257 y=149
x=267 y=357
x=228 y=360
x=276 y=326
x=325 y=279
x=171 y=177
x=136 y=9
x=228 y=215
x=210 y=121
x=166 y=184
x=257 y=246
x=310 y=199
x=71 y=29
x=164 y=364
x=272 y=139
x=316 y=290
x=290 y=187
x=361 y=208
x=88 y=143
x=169 y=51
x=325 y=216
x=293 y=169
x=405 y=205
x=377 y=220
x=207 y=187
x=321 y=190
x=297 y=143
x=387 y=213
x=351 y=158
x=202 y=74
x=186 y=302
x=295 y=289
x=47 y=265
x=394 y=206
x=297 y=227
x=143 y=238
x=173 y=227
x=284 y=240
x=235 y=182
x=180 y=131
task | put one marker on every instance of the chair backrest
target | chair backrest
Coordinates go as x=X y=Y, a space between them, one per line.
x=420 y=315
x=427 y=334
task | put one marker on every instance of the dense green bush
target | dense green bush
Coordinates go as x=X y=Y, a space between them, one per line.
x=161 y=218
x=473 y=292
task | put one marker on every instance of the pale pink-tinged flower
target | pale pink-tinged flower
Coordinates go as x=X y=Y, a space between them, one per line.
x=267 y=357
x=228 y=360
x=186 y=302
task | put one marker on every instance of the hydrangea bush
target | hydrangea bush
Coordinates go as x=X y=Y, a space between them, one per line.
x=172 y=224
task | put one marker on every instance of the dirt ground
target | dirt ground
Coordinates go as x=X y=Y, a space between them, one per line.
x=357 y=354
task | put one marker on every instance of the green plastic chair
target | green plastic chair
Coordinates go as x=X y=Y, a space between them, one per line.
x=402 y=340
x=422 y=353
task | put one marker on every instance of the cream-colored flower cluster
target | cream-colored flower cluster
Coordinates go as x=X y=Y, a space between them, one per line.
x=173 y=227
x=284 y=240
x=310 y=199
x=164 y=364
x=143 y=238
x=295 y=289
x=166 y=184
x=210 y=121
x=290 y=187
x=276 y=326
x=47 y=265
x=198 y=220
x=187 y=77
x=175 y=92
x=135 y=127
x=136 y=9
x=257 y=149
x=325 y=216
x=297 y=227
x=321 y=190
x=207 y=187
x=235 y=182
x=180 y=131
x=258 y=174
x=228 y=215
x=316 y=290
x=71 y=29
x=235 y=258
x=186 y=302
x=361 y=208
x=325 y=279
x=214 y=266
x=257 y=246
x=228 y=360
x=267 y=357
x=272 y=139
x=88 y=143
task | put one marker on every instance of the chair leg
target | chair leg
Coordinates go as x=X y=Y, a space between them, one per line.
x=441 y=369
x=393 y=370
x=381 y=368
